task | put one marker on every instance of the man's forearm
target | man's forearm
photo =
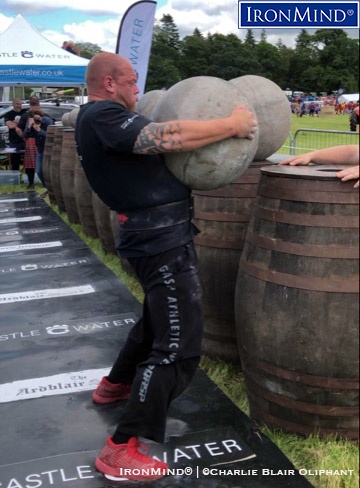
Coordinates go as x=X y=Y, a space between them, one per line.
x=182 y=135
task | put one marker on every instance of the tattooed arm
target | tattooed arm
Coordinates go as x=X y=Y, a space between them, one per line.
x=186 y=135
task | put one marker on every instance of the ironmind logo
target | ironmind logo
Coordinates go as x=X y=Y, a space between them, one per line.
x=295 y=15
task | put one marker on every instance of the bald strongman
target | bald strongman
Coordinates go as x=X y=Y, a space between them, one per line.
x=122 y=155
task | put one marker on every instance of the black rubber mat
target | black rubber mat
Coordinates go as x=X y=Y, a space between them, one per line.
x=63 y=317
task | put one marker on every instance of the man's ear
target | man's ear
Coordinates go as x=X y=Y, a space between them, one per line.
x=109 y=84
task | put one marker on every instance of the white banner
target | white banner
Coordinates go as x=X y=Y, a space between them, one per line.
x=59 y=384
x=13 y=200
x=135 y=36
x=25 y=247
x=25 y=296
x=15 y=220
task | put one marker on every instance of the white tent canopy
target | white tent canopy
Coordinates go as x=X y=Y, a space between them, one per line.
x=348 y=97
x=28 y=58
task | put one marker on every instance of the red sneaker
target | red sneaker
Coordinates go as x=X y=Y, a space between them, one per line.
x=125 y=461
x=107 y=392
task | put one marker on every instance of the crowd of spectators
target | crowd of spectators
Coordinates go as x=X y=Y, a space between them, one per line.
x=313 y=108
x=306 y=108
x=345 y=108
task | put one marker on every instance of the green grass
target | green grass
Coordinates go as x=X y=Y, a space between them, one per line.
x=310 y=453
x=308 y=140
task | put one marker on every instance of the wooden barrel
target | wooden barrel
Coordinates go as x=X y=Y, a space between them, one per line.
x=103 y=224
x=297 y=302
x=83 y=196
x=68 y=160
x=114 y=225
x=222 y=215
x=55 y=167
x=50 y=133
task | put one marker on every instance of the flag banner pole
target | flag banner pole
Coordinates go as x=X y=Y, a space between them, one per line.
x=135 y=36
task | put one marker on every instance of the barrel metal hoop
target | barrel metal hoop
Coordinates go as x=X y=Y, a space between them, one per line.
x=296 y=376
x=223 y=339
x=218 y=243
x=313 y=283
x=221 y=216
x=298 y=406
x=346 y=221
x=300 y=249
x=312 y=197
x=230 y=191
x=303 y=429
x=308 y=191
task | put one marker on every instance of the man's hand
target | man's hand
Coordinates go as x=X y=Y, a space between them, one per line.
x=245 y=122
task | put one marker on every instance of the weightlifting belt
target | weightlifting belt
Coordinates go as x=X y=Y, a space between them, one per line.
x=156 y=217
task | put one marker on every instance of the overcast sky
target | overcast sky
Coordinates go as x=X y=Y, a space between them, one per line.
x=98 y=21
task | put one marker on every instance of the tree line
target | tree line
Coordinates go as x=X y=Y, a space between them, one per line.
x=325 y=61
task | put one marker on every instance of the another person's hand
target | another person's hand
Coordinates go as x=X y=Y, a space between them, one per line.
x=37 y=124
x=246 y=122
x=351 y=173
x=11 y=124
x=343 y=154
x=302 y=159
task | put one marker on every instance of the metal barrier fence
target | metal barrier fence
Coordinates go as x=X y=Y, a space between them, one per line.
x=305 y=140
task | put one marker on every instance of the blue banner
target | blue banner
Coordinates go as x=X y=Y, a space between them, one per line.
x=42 y=75
x=298 y=15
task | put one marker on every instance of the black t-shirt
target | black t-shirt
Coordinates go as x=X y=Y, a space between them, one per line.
x=13 y=137
x=105 y=135
x=23 y=120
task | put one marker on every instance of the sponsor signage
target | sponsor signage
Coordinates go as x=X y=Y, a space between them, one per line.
x=11 y=334
x=192 y=459
x=16 y=220
x=26 y=247
x=45 y=265
x=25 y=232
x=209 y=447
x=135 y=37
x=25 y=296
x=59 y=384
x=13 y=200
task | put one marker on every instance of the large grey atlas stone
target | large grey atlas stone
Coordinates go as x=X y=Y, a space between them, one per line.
x=148 y=101
x=69 y=118
x=65 y=120
x=272 y=110
x=205 y=98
